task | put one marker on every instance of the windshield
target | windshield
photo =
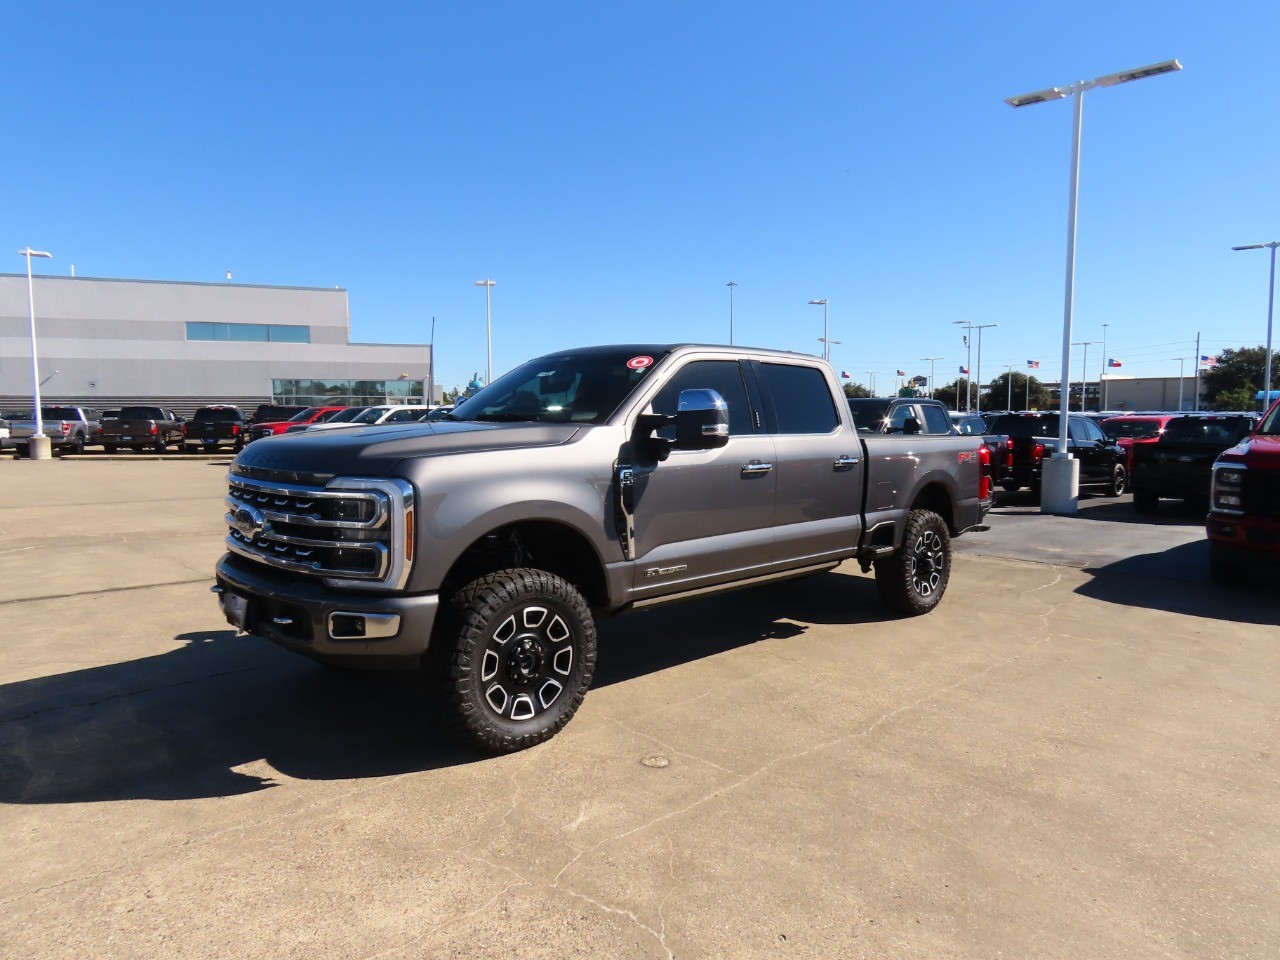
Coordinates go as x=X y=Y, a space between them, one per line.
x=1134 y=429
x=1271 y=423
x=1015 y=425
x=868 y=413
x=141 y=413
x=216 y=414
x=1226 y=431
x=583 y=387
x=301 y=415
x=347 y=415
x=369 y=415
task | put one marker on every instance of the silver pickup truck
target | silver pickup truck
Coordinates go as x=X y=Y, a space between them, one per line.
x=69 y=429
x=483 y=546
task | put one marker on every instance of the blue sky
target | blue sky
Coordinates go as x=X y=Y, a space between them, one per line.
x=612 y=166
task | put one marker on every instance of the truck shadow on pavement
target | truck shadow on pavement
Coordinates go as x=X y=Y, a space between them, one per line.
x=225 y=715
x=1177 y=581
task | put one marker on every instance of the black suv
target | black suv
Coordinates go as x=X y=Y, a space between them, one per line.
x=1034 y=436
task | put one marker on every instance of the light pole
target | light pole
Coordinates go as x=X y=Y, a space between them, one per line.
x=731 y=285
x=978 y=371
x=968 y=365
x=931 y=360
x=1271 y=302
x=1180 y=372
x=488 y=327
x=826 y=352
x=1102 y=372
x=1060 y=488
x=871 y=381
x=37 y=442
x=1084 y=369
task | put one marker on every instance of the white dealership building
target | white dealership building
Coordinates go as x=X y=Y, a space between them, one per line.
x=105 y=343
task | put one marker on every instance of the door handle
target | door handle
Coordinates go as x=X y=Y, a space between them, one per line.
x=756 y=469
x=845 y=462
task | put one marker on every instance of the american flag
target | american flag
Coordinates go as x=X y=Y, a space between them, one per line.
x=902 y=373
x=1033 y=364
x=1209 y=361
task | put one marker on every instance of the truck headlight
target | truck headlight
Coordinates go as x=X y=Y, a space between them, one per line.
x=1227 y=491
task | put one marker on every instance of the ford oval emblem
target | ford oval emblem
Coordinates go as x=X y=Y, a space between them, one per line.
x=248 y=522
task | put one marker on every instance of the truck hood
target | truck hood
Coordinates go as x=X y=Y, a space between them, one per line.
x=1259 y=450
x=375 y=450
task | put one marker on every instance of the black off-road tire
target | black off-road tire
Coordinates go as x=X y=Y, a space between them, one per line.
x=511 y=658
x=913 y=580
x=76 y=446
x=1119 y=481
x=161 y=446
x=1144 y=500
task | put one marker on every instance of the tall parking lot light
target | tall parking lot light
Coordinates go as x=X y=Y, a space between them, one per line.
x=1060 y=489
x=826 y=344
x=1271 y=302
x=1084 y=370
x=488 y=328
x=968 y=366
x=932 y=361
x=978 y=372
x=35 y=366
x=731 y=285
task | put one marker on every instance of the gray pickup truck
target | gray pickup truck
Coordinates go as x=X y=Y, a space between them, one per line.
x=69 y=429
x=481 y=547
x=142 y=428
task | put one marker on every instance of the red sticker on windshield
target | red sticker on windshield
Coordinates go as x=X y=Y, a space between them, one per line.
x=639 y=363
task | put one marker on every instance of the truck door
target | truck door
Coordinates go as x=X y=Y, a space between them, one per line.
x=818 y=512
x=704 y=516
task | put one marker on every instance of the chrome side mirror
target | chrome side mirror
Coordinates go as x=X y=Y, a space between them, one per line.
x=702 y=420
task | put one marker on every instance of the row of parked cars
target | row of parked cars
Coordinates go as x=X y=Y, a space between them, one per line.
x=159 y=430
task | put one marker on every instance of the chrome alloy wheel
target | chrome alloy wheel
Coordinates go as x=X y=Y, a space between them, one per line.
x=928 y=562
x=526 y=663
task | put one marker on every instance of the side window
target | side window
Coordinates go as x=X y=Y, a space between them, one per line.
x=935 y=419
x=1077 y=431
x=899 y=417
x=722 y=376
x=801 y=398
x=1093 y=431
x=400 y=416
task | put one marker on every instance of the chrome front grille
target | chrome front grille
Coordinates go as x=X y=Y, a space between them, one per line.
x=350 y=532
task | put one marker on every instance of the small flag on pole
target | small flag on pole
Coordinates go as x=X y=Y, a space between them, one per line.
x=1209 y=361
x=844 y=375
x=902 y=373
x=964 y=369
x=1033 y=364
x=1114 y=363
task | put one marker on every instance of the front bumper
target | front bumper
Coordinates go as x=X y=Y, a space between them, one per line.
x=1248 y=538
x=297 y=614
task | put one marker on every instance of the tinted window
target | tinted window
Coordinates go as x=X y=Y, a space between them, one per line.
x=1076 y=429
x=899 y=417
x=801 y=398
x=403 y=416
x=1137 y=429
x=972 y=426
x=223 y=415
x=1015 y=425
x=1227 y=431
x=868 y=413
x=141 y=413
x=935 y=419
x=59 y=413
x=1093 y=432
x=580 y=387
x=722 y=376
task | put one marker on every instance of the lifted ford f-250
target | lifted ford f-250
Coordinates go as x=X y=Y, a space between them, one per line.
x=581 y=484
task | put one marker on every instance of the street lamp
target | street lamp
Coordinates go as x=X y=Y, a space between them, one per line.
x=35 y=367
x=1084 y=369
x=980 y=328
x=826 y=352
x=1102 y=371
x=871 y=380
x=488 y=327
x=731 y=285
x=1060 y=489
x=931 y=360
x=1271 y=300
x=968 y=366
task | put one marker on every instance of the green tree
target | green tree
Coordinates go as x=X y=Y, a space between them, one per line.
x=949 y=392
x=1237 y=370
x=998 y=393
x=451 y=396
x=1241 y=398
x=852 y=390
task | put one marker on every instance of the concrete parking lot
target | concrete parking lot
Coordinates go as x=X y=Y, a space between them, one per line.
x=1074 y=756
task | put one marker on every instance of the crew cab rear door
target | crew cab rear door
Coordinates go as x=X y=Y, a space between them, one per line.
x=705 y=516
x=819 y=463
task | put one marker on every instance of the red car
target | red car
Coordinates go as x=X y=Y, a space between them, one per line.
x=1243 y=525
x=309 y=415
